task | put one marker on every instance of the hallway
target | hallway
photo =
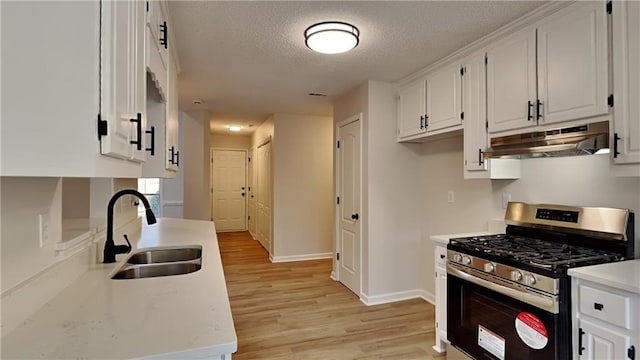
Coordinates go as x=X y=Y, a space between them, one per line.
x=295 y=311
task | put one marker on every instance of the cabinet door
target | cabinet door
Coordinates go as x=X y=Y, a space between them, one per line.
x=156 y=65
x=475 y=129
x=626 y=78
x=138 y=75
x=511 y=82
x=443 y=98
x=601 y=342
x=411 y=109
x=116 y=80
x=572 y=64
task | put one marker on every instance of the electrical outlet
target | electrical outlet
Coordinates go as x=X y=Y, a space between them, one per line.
x=43 y=220
x=506 y=197
x=451 y=197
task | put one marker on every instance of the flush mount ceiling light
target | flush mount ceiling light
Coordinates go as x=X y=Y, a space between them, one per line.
x=331 y=37
x=234 y=128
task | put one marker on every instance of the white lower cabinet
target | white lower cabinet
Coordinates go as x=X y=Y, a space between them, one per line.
x=441 y=297
x=605 y=321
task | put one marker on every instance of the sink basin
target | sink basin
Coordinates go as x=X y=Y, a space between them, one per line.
x=155 y=256
x=166 y=269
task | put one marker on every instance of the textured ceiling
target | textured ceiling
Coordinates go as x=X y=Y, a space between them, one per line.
x=246 y=60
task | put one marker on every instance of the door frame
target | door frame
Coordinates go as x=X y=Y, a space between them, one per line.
x=336 y=160
x=211 y=205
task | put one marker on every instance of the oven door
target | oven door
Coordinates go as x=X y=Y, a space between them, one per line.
x=486 y=324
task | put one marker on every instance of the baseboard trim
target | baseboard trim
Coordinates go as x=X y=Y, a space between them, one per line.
x=333 y=276
x=397 y=296
x=291 y=258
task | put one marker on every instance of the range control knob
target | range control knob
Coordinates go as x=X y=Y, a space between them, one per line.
x=489 y=267
x=529 y=279
x=457 y=258
x=516 y=275
x=466 y=260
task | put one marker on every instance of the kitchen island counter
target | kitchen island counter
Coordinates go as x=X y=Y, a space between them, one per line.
x=181 y=316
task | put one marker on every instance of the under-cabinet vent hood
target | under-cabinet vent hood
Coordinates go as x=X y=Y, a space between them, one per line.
x=577 y=140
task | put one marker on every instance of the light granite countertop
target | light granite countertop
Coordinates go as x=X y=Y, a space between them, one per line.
x=623 y=275
x=182 y=316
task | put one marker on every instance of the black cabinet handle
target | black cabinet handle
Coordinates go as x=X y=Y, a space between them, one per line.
x=580 y=347
x=242 y=194
x=616 y=138
x=138 y=121
x=442 y=256
x=164 y=38
x=152 y=149
x=598 y=306
x=177 y=158
x=529 y=109
x=355 y=216
x=171 y=151
x=426 y=121
x=421 y=122
x=538 y=109
x=480 y=157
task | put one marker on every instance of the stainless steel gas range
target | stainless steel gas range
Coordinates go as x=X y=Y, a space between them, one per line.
x=508 y=295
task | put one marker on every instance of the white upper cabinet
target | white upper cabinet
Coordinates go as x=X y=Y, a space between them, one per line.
x=157 y=45
x=475 y=126
x=123 y=79
x=475 y=129
x=511 y=82
x=572 y=64
x=567 y=78
x=411 y=109
x=431 y=105
x=60 y=89
x=625 y=141
x=443 y=98
x=162 y=96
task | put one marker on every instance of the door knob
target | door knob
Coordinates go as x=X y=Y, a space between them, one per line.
x=355 y=216
x=242 y=188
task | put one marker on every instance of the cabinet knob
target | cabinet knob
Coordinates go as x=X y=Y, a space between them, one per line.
x=598 y=306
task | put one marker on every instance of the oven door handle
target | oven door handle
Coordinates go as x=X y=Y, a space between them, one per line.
x=538 y=300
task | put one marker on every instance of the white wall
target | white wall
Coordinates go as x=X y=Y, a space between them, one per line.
x=230 y=141
x=23 y=200
x=582 y=180
x=302 y=185
x=76 y=204
x=196 y=165
x=390 y=214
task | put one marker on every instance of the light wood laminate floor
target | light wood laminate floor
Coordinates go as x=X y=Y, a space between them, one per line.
x=295 y=311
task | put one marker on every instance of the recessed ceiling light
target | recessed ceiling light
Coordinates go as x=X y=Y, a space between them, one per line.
x=234 y=128
x=331 y=37
x=197 y=102
x=316 y=94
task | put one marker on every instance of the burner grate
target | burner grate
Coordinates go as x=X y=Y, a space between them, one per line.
x=536 y=252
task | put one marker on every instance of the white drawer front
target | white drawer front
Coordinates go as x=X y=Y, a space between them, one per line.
x=441 y=256
x=606 y=306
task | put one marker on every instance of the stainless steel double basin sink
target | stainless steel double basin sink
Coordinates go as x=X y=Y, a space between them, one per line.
x=148 y=263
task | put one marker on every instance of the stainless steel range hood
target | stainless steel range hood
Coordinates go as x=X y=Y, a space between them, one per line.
x=577 y=140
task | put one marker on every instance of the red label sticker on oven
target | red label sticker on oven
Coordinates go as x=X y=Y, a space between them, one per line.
x=531 y=330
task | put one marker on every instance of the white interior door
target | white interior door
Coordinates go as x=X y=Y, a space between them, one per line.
x=348 y=186
x=263 y=196
x=229 y=189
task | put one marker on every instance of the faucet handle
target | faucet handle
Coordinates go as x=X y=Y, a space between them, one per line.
x=123 y=249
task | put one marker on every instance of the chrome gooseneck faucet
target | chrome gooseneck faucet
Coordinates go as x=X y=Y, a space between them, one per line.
x=110 y=248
